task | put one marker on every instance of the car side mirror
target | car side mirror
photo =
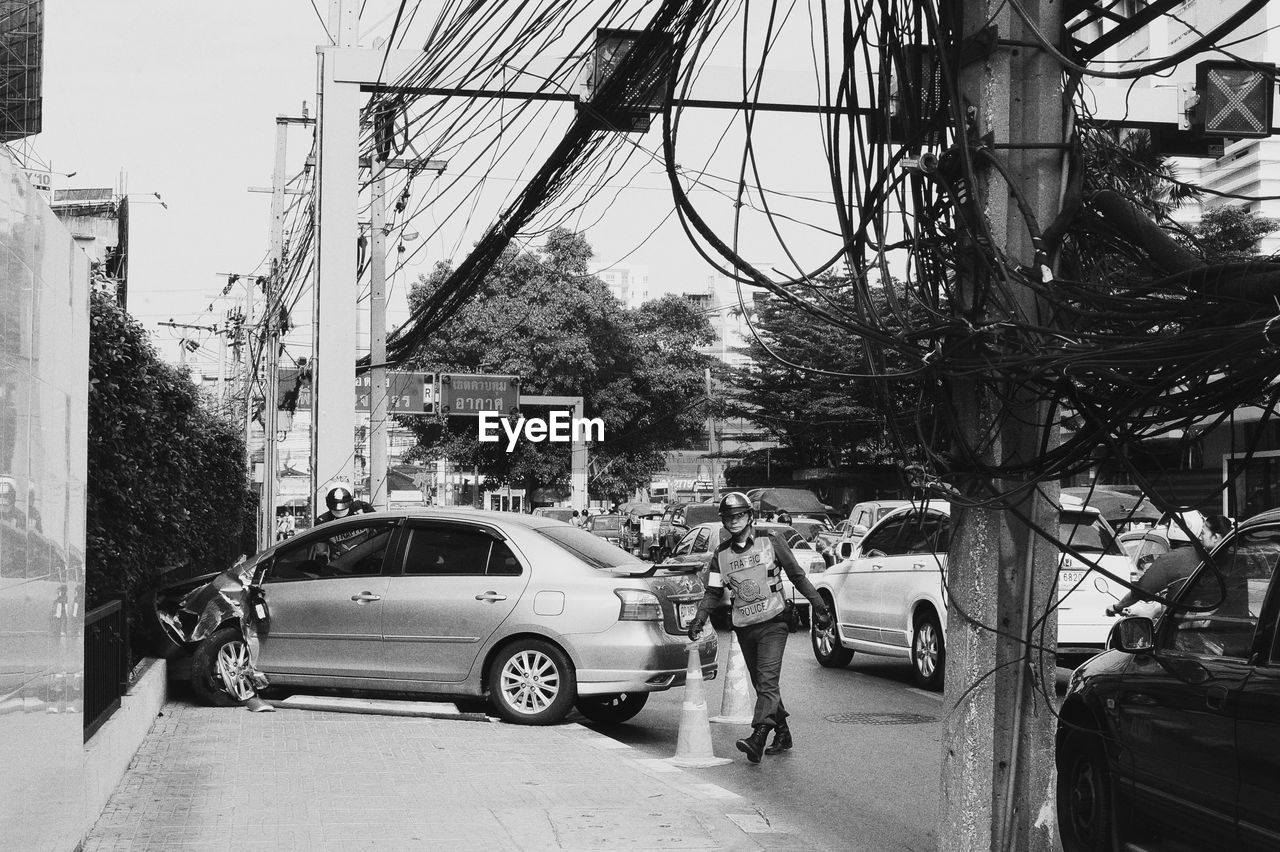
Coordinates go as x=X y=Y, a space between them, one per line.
x=844 y=550
x=858 y=529
x=1134 y=635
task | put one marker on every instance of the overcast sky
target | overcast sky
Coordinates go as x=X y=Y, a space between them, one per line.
x=179 y=99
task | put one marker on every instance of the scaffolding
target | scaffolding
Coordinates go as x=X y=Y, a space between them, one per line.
x=21 y=54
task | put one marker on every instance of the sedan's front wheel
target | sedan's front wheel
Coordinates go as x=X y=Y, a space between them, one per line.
x=220 y=670
x=532 y=683
x=1084 y=794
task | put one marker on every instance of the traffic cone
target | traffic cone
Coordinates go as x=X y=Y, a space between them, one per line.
x=693 y=745
x=737 y=707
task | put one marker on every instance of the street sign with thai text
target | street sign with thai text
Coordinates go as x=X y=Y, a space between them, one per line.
x=471 y=394
x=407 y=392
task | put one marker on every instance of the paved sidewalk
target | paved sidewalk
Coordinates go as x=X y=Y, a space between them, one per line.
x=217 y=779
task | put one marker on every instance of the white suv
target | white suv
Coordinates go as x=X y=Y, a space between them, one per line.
x=889 y=597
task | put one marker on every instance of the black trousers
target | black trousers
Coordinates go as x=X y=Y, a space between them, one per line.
x=762 y=647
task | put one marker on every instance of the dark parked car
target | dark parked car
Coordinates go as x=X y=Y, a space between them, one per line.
x=1175 y=734
x=607 y=527
x=539 y=615
x=677 y=520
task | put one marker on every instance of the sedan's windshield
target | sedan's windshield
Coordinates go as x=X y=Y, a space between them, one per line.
x=592 y=549
x=606 y=523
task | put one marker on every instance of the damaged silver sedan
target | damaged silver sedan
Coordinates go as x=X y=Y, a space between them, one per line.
x=534 y=613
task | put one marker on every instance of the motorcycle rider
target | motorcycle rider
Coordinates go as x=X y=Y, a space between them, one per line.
x=752 y=567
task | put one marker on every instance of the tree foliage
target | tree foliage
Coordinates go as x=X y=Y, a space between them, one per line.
x=1230 y=233
x=166 y=477
x=543 y=317
x=836 y=415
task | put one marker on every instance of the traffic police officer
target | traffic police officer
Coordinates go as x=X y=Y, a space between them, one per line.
x=751 y=566
x=341 y=502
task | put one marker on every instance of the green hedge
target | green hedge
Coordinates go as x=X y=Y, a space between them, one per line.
x=167 y=486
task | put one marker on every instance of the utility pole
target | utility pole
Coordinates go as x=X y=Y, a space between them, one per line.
x=712 y=449
x=271 y=325
x=271 y=319
x=247 y=356
x=378 y=408
x=997 y=755
x=378 y=337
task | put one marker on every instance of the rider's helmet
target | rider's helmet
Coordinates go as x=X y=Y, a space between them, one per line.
x=733 y=503
x=339 y=498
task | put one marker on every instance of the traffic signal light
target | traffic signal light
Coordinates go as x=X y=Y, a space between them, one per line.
x=1235 y=98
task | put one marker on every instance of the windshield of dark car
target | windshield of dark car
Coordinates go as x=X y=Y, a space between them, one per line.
x=606 y=524
x=592 y=549
x=1086 y=532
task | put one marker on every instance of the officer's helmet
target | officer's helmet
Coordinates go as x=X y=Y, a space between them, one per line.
x=733 y=503
x=338 y=499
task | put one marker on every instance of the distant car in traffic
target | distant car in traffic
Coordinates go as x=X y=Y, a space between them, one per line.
x=608 y=527
x=889 y=598
x=862 y=517
x=559 y=513
x=1172 y=739
x=810 y=527
x=538 y=615
x=677 y=520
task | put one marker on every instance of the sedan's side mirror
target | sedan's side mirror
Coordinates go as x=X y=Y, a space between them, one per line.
x=844 y=550
x=1135 y=635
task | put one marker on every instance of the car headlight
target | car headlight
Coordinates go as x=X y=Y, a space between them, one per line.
x=638 y=605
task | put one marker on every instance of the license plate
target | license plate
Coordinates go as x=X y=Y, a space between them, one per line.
x=1068 y=579
x=685 y=613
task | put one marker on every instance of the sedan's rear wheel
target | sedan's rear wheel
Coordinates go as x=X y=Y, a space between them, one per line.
x=220 y=670
x=928 y=652
x=612 y=709
x=827 y=649
x=1084 y=794
x=532 y=683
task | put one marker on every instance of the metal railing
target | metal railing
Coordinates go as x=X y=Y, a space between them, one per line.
x=106 y=663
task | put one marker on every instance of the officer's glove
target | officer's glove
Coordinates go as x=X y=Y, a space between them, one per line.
x=822 y=618
x=695 y=629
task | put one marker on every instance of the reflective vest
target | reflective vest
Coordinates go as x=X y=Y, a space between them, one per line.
x=755 y=580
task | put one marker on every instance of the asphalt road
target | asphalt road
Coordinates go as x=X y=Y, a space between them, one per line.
x=864 y=774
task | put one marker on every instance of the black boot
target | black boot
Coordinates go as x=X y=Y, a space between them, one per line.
x=781 y=740
x=753 y=746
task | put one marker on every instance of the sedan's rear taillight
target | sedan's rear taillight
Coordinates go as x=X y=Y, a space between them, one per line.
x=638 y=605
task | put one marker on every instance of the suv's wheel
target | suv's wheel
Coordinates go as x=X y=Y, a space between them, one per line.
x=928 y=651
x=220 y=672
x=1084 y=794
x=612 y=709
x=827 y=649
x=532 y=683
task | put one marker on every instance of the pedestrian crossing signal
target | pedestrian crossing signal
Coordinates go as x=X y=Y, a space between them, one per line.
x=1235 y=99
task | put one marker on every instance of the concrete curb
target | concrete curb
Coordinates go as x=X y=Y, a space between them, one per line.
x=377 y=707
